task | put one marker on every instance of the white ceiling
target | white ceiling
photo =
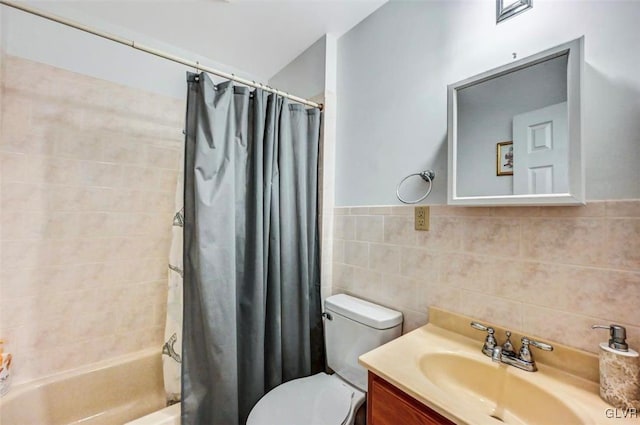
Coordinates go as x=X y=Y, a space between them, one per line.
x=259 y=37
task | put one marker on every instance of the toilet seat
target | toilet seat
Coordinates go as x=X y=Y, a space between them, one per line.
x=320 y=399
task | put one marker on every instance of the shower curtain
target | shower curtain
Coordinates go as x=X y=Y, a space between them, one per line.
x=252 y=317
x=172 y=348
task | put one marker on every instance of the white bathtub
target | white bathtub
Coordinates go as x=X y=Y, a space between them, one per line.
x=167 y=416
x=106 y=393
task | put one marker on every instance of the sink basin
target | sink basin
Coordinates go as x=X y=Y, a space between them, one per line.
x=495 y=390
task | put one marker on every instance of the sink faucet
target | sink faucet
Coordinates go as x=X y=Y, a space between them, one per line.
x=506 y=354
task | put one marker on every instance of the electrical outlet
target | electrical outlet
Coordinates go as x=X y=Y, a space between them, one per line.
x=422 y=218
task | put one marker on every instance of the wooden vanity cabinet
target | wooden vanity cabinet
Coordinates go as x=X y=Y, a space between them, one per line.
x=388 y=405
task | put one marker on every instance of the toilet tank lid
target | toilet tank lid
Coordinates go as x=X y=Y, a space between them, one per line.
x=362 y=311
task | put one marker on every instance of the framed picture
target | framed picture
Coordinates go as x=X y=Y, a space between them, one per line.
x=504 y=161
x=506 y=9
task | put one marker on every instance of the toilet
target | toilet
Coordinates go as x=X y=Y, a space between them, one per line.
x=352 y=327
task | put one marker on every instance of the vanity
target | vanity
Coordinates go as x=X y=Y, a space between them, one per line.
x=438 y=374
x=390 y=405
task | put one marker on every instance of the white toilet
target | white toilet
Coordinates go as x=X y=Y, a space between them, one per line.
x=352 y=327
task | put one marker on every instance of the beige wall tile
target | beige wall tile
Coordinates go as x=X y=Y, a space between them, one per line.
x=344 y=227
x=444 y=234
x=369 y=228
x=22 y=197
x=441 y=295
x=516 y=211
x=163 y=158
x=167 y=178
x=592 y=209
x=402 y=210
x=441 y=210
x=384 y=258
x=527 y=268
x=472 y=272
x=493 y=309
x=85 y=223
x=103 y=174
x=71 y=142
x=623 y=208
x=413 y=320
x=13 y=167
x=359 y=210
x=122 y=152
x=342 y=275
x=418 y=263
x=566 y=328
x=500 y=236
x=533 y=282
x=45 y=169
x=338 y=251
x=399 y=230
x=365 y=281
x=135 y=177
x=571 y=241
x=380 y=210
x=616 y=297
x=400 y=293
x=356 y=253
x=623 y=243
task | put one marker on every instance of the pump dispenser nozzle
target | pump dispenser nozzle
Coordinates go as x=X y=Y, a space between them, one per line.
x=618 y=334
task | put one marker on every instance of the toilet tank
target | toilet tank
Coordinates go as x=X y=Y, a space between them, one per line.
x=353 y=327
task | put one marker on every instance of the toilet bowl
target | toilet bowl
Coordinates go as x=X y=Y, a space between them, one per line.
x=352 y=327
x=320 y=399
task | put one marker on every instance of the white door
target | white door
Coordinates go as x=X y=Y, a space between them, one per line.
x=541 y=151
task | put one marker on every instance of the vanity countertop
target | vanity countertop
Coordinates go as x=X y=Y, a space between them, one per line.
x=449 y=374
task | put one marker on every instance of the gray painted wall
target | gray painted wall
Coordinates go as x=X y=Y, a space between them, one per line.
x=48 y=42
x=394 y=67
x=485 y=117
x=305 y=75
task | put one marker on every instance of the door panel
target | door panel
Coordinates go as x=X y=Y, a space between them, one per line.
x=541 y=151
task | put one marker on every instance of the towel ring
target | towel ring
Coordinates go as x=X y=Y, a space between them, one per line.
x=426 y=175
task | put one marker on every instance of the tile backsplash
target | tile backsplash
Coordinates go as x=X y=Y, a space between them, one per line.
x=88 y=179
x=550 y=272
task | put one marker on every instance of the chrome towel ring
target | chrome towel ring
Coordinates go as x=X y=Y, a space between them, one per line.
x=426 y=175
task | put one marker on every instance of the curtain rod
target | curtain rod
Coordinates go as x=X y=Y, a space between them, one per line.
x=157 y=52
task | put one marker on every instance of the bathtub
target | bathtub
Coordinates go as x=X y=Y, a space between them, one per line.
x=107 y=393
x=167 y=416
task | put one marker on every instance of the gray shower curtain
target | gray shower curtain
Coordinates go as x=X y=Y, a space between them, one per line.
x=252 y=317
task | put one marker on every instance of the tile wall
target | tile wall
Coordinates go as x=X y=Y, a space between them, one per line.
x=88 y=177
x=548 y=271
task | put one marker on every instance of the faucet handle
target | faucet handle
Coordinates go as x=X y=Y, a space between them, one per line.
x=490 y=341
x=525 y=353
x=538 y=344
x=481 y=327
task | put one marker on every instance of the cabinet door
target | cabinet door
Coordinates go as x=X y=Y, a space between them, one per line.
x=388 y=405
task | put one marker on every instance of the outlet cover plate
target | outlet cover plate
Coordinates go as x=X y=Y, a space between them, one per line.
x=422 y=218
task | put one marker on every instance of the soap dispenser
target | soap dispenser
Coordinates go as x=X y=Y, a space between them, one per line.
x=619 y=370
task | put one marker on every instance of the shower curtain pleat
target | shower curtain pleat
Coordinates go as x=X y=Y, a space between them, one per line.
x=252 y=315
